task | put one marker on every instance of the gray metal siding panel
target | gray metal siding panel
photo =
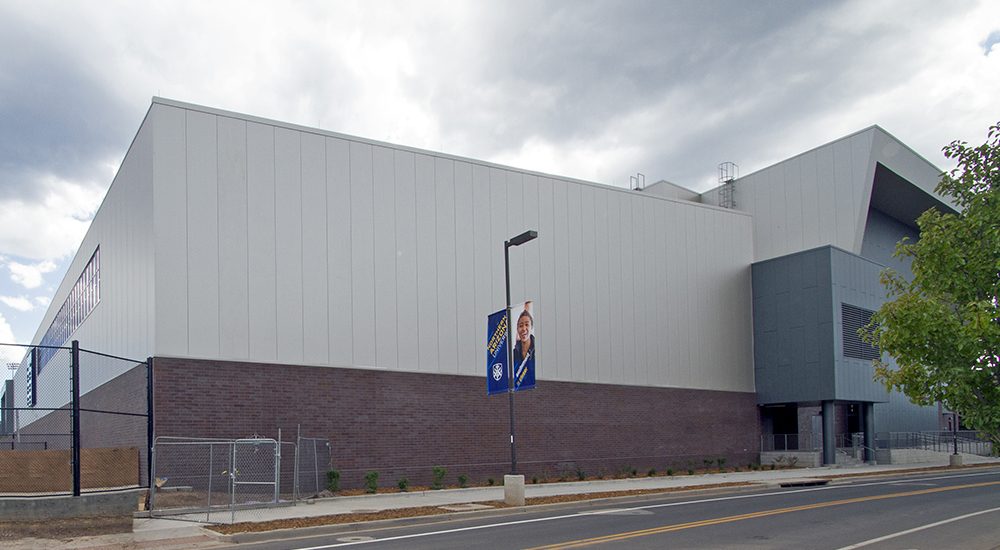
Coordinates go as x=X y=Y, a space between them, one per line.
x=384 y=213
x=234 y=293
x=203 y=235
x=444 y=237
x=467 y=325
x=427 y=288
x=315 y=252
x=407 y=331
x=362 y=255
x=170 y=230
x=339 y=240
x=288 y=244
x=261 y=239
x=483 y=255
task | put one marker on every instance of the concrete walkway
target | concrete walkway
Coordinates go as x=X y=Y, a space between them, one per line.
x=187 y=531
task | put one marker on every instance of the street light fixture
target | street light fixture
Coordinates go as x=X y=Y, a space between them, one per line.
x=515 y=241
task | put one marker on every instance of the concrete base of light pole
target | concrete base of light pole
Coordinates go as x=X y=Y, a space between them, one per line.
x=513 y=490
x=955 y=460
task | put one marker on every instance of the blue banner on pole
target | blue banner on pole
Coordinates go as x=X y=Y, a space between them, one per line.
x=524 y=346
x=496 y=353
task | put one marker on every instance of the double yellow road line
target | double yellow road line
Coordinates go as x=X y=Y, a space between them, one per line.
x=761 y=514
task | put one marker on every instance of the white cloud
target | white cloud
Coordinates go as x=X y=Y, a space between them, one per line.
x=47 y=229
x=29 y=276
x=19 y=303
x=6 y=335
x=43 y=301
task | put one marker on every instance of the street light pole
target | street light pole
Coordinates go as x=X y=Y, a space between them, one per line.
x=516 y=241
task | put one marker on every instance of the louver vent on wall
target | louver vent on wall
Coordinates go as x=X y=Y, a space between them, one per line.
x=855 y=318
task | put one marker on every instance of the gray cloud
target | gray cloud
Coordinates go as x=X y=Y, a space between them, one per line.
x=56 y=117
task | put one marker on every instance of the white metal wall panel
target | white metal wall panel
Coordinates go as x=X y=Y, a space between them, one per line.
x=338 y=179
x=288 y=243
x=368 y=255
x=465 y=274
x=407 y=330
x=427 y=288
x=588 y=276
x=616 y=299
x=629 y=295
x=601 y=296
x=498 y=225
x=483 y=254
x=563 y=314
x=792 y=183
x=444 y=237
x=234 y=293
x=362 y=255
x=261 y=243
x=203 y=235
x=383 y=177
x=170 y=228
x=576 y=302
x=807 y=181
x=546 y=314
x=315 y=252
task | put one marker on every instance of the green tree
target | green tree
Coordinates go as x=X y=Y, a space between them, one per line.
x=942 y=326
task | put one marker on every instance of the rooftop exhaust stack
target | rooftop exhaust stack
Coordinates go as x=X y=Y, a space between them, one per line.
x=728 y=173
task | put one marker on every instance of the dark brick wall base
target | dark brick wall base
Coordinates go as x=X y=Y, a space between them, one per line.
x=403 y=424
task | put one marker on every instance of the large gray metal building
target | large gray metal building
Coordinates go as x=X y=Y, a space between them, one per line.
x=283 y=276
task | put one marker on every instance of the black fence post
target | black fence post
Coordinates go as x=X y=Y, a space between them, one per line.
x=75 y=370
x=149 y=422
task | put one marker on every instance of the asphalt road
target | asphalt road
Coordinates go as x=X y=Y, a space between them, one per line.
x=919 y=511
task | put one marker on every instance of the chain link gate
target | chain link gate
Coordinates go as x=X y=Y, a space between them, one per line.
x=214 y=480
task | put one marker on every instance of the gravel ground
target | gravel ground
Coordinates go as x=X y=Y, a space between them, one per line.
x=64 y=529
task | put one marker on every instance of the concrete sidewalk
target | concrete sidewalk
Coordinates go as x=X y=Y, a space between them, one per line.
x=188 y=532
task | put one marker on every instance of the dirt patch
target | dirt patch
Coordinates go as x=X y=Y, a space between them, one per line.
x=66 y=528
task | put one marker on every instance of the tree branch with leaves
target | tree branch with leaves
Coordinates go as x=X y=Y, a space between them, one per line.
x=941 y=328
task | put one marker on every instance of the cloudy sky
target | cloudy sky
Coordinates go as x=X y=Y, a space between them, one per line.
x=593 y=90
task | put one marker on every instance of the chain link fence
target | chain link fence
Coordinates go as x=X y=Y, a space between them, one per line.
x=72 y=421
x=313 y=460
x=220 y=480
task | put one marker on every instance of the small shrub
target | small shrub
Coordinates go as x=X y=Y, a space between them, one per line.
x=792 y=461
x=371 y=482
x=402 y=483
x=439 y=474
x=580 y=474
x=737 y=469
x=721 y=461
x=670 y=471
x=772 y=466
x=564 y=473
x=753 y=466
x=632 y=471
x=534 y=479
x=332 y=480
x=652 y=472
x=462 y=480
x=691 y=466
x=490 y=481
x=708 y=462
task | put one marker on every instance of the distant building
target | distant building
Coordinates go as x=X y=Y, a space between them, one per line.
x=283 y=277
